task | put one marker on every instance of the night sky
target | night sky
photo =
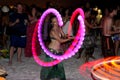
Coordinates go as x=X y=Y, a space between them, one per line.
x=64 y=3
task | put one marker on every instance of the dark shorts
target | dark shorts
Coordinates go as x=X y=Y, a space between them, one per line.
x=89 y=41
x=18 y=41
x=116 y=37
x=107 y=46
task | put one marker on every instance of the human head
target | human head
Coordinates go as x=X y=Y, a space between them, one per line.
x=112 y=10
x=54 y=21
x=19 y=7
x=87 y=12
x=33 y=10
x=49 y=5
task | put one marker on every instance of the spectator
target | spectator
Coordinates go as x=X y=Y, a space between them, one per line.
x=18 y=24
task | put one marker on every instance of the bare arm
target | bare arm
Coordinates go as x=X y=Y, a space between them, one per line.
x=117 y=25
x=88 y=24
x=63 y=34
x=56 y=36
x=108 y=24
x=13 y=23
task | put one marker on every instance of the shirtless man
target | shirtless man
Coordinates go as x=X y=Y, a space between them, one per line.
x=107 y=42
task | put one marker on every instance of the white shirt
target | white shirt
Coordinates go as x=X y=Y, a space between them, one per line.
x=65 y=28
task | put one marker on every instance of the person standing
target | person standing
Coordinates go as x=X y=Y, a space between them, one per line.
x=107 y=32
x=1 y=31
x=89 y=43
x=116 y=37
x=32 y=16
x=18 y=24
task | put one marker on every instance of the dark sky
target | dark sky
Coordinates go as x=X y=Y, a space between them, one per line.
x=70 y=3
x=104 y=3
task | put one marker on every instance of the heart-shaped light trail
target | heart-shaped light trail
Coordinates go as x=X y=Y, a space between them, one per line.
x=76 y=44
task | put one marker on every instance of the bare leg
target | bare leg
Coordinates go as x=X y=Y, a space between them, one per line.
x=116 y=47
x=19 y=51
x=89 y=53
x=5 y=41
x=87 y=58
x=11 y=55
x=80 y=52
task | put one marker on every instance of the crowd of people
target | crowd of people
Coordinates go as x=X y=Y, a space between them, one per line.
x=17 y=26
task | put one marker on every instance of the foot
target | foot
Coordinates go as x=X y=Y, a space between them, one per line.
x=19 y=60
x=86 y=60
x=10 y=63
x=92 y=57
x=78 y=57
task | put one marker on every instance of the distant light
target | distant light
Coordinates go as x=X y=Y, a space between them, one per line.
x=11 y=6
x=99 y=11
x=95 y=8
x=100 y=16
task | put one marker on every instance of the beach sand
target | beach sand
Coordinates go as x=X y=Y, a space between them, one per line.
x=30 y=70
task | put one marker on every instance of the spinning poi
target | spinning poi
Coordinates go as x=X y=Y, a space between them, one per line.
x=108 y=69
x=73 y=48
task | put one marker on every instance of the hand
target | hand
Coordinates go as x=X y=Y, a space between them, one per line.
x=66 y=36
x=25 y=22
x=17 y=21
x=71 y=37
x=119 y=30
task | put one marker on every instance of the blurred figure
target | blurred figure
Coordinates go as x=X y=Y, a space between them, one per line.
x=89 y=43
x=18 y=24
x=5 y=24
x=46 y=30
x=32 y=17
x=1 y=30
x=116 y=37
x=66 y=26
x=108 y=48
x=66 y=20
